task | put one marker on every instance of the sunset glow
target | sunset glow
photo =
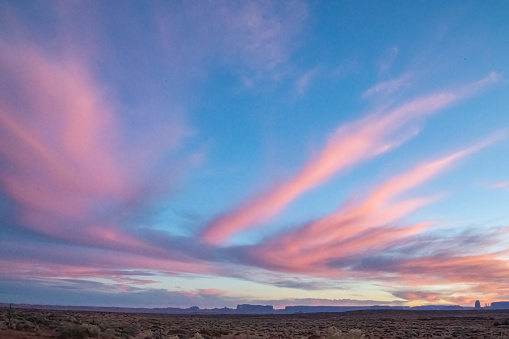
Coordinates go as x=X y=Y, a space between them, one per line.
x=214 y=153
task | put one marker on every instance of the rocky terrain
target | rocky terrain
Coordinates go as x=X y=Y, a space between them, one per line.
x=31 y=323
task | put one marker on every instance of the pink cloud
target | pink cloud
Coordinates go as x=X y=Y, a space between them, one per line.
x=451 y=265
x=454 y=269
x=64 y=261
x=367 y=225
x=439 y=297
x=503 y=184
x=459 y=279
x=66 y=164
x=417 y=295
x=348 y=146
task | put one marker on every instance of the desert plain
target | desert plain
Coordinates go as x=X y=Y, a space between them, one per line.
x=34 y=323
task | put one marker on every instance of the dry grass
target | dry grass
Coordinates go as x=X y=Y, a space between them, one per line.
x=348 y=325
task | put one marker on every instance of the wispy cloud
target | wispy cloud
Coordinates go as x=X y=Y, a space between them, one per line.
x=356 y=227
x=349 y=145
x=67 y=167
x=262 y=31
x=388 y=87
x=79 y=176
x=61 y=261
x=304 y=81
x=418 y=295
x=255 y=37
x=502 y=184
x=443 y=264
x=388 y=60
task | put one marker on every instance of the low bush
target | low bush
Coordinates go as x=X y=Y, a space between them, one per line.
x=72 y=332
x=333 y=333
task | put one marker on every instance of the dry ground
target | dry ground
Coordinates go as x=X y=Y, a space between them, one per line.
x=27 y=323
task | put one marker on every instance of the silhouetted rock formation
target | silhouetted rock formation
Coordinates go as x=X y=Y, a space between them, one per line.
x=500 y=305
x=316 y=309
x=254 y=309
x=477 y=304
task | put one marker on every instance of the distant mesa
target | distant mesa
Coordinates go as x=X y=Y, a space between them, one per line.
x=255 y=309
x=321 y=309
x=500 y=305
x=477 y=304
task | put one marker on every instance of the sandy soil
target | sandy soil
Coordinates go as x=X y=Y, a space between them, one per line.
x=374 y=324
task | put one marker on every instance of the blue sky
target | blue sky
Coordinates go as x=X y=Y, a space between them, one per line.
x=215 y=153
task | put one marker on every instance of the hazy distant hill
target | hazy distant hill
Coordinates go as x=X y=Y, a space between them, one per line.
x=251 y=309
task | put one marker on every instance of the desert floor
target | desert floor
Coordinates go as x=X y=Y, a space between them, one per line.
x=29 y=323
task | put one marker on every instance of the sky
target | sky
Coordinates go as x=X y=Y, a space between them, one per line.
x=213 y=153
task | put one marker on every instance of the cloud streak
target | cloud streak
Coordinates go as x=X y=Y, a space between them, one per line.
x=349 y=145
x=255 y=37
x=356 y=227
x=69 y=168
x=389 y=86
x=66 y=166
x=59 y=160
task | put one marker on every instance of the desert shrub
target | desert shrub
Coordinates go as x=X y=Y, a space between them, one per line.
x=72 y=332
x=92 y=330
x=235 y=336
x=145 y=334
x=356 y=334
x=333 y=333
x=197 y=336
x=25 y=325
x=108 y=334
x=131 y=330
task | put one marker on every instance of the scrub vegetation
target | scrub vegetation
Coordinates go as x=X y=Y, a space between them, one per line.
x=31 y=323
